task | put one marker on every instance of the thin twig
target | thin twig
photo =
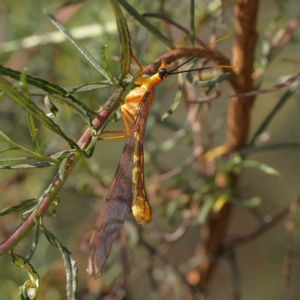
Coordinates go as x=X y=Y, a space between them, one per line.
x=54 y=186
x=170 y=21
x=188 y=161
x=289 y=81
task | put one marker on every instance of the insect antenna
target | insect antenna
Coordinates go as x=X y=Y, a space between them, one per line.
x=199 y=53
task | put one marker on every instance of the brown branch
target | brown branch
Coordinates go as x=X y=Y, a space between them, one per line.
x=239 y=109
x=210 y=54
x=238 y=122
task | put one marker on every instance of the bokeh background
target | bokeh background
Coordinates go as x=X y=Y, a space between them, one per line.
x=159 y=269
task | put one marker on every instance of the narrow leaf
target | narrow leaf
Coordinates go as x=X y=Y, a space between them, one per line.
x=31 y=108
x=124 y=37
x=208 y=202
x=248 y=203
x=78 y=109
x=47 y=86
x=106 y=65
x=15 y=159
x=31 y=287
x=205 y=83
x=61 y=154
x=69 y=262
x=33 y=133
x=4 y=138
x=177 y=98
x=78 y=46
x=261 y=166
x=269 y=170
x=20 y=206
x=42 y=164
x=62 y=168
x=34 y=244
x=10 y=149
x=143 y=21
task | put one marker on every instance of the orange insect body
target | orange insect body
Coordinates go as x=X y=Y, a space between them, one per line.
x=129 y=109
x=131 y=105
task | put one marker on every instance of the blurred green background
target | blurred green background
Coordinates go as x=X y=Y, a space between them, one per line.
x=259 y=264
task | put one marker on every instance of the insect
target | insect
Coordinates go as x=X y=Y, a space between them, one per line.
x=127 y=190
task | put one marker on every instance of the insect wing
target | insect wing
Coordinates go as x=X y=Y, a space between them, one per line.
x=118 y=201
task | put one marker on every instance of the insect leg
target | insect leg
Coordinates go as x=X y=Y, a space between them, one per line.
x=138 y=63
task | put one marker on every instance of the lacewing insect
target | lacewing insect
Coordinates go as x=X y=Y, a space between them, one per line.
x=127 y=190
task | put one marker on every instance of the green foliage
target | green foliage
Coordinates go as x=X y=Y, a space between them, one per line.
x=30 y=289
x=37 y=139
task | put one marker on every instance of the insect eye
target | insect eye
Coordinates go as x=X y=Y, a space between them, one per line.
x=162 y=73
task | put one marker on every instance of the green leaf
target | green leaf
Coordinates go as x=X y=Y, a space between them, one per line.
x=62 y=168
x=30 y=288
x=106 y=65
x=78 y=46
x=15 y=159
x=248 y=203
x=207 y=205
x=10 y=149
x=89 y=86
x=261 y=166
x=17 y=207
x=45 y=85
x=143 y=21
x=206 y=83
x=26 y=213
x=77 y=108
x=61 y=154
x=40 y=164
x=34 y=244
x=124 y=39
x=32 y=109
x=69 y=262
x=33 y=133
x=30 y=119
x=4 y=138
x=269 y=170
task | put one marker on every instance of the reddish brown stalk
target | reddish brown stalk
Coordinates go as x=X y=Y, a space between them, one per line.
x=28 y=224
x=238 y=122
